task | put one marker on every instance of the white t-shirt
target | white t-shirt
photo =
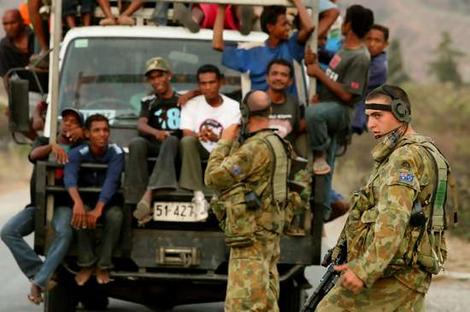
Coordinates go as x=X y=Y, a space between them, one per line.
x=197 y=113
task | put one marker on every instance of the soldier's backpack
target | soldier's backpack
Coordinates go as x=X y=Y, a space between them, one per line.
x=430 y=251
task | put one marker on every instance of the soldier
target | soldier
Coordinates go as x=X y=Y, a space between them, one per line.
x=251 y=214
x=395 y=230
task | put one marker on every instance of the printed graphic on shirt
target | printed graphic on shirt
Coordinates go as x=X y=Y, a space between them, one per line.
x=282 y=124
x=331 y=74
x=213 y=125
x=168 y=119
x=335 y=61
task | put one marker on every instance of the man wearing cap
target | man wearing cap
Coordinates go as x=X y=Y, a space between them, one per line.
x=23 y=223
x=394 y=234
x=158 y=126
x=251 y=218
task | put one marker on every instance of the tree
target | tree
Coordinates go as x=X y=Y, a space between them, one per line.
x=445 y=66
x=396 y=70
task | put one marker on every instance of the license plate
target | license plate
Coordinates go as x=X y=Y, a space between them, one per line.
x=177 y=212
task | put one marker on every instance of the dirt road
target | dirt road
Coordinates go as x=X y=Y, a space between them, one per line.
x=449 y=291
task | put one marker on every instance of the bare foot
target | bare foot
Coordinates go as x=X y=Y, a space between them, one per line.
x=102 y=276
x=35 y=294
x=84 y=275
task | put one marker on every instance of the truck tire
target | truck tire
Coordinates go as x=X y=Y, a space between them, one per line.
x=292 y=296
x=62 y=297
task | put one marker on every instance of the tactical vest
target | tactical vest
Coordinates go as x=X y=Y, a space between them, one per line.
x=423 y=244
x=238 y=221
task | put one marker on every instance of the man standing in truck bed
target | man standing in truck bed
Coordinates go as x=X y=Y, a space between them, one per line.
x=249 y=207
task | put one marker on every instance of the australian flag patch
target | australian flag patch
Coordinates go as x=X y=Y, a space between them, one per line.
x=406 y=177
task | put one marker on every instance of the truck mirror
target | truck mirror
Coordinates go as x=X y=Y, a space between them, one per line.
x=18 y=104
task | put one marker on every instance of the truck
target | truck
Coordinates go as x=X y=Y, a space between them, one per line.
x=172 y=260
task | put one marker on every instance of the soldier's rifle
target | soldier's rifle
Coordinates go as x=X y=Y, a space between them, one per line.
x=328 y=280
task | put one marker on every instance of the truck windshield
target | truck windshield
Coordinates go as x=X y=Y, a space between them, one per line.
x=106 y=75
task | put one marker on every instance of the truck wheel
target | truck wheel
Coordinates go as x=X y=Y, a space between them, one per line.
x=62 y=297
x=292 y=296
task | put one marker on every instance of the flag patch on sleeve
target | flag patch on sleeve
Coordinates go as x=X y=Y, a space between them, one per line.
x=406 y=177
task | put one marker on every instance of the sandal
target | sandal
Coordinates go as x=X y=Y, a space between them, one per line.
x=321 y=167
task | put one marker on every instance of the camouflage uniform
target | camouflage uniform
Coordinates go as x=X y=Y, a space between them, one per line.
x=253 y=235
x=384 y=250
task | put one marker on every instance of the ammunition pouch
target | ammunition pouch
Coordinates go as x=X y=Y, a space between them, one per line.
x=239 y=224
x=431 y=252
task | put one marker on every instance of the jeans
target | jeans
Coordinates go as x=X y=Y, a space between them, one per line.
x=22 y=224
x=325 y=121
x=112 y=218
x=160 y=14
x=192 y=152
x=137 y=172
x=69 y=7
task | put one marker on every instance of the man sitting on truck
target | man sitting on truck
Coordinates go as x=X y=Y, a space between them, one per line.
x=89 y=207
x=158 y=126
x=23 y=223
x=203 y=119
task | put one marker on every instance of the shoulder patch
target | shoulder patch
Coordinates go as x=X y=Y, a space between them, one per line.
x=236 y=170
x=406 y=177
x=84 y=150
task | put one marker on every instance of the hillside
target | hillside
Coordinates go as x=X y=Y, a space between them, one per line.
x=418 y=25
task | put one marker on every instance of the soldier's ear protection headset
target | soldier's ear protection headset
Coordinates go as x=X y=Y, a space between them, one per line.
x=397 y=107
x=244 y=109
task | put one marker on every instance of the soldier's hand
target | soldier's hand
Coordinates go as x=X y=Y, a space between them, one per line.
x=349 y=279
x=231 y=132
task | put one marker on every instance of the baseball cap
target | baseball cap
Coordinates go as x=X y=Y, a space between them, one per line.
x=157 y=63
x=78 y=114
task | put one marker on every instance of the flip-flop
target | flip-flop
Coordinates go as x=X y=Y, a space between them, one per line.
x=321 y=167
